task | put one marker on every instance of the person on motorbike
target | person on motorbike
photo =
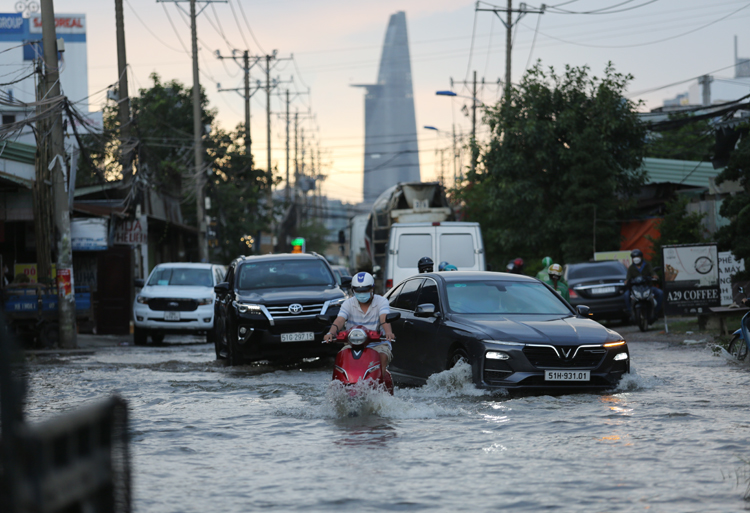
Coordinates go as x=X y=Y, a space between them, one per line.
x=441 y=266
x=555 y=281
x=369 y=310
x=425 y=265
x=543 y=275
x=640 y=267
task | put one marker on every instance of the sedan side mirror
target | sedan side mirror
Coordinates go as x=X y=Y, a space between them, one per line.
x=425 y=310
x=139 y=283
x=393 y=316
x=222 y=288
x=584 y=311
x=346 y=281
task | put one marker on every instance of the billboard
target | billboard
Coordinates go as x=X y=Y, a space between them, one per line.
x=691 y=278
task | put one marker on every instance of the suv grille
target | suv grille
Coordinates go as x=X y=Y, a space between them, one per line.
x=283 y=311
x=172 y=304
x=546 y=357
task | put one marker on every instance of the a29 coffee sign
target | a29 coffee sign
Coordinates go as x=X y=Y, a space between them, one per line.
x=691 y=278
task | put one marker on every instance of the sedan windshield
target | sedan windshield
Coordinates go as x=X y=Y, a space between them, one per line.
x=284 y=273
x=503 y=297
x=181 y=276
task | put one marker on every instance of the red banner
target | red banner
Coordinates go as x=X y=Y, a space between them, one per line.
x=64 y=283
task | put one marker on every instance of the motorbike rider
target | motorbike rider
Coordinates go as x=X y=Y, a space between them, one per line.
x=543 y=275
x=640 y=267
x=425 y=265
x=369 y=310
x=555 y=272
x=441 y=266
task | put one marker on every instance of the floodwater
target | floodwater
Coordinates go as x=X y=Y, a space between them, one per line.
x=208 y=438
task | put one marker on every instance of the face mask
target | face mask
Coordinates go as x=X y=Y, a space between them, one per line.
x=637 y=260
x=362 y=297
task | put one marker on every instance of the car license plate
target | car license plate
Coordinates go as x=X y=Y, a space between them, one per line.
x=297 y=337
x=567 y=375
x=171 y=316
x=603 y=290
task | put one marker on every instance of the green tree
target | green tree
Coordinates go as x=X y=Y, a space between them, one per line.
x=677 y=227
x=692 y=141
x=736 y=208
x=566 y=149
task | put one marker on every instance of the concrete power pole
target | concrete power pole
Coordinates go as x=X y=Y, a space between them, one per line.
x=246 y=94
x=197 y=141
x=65 y=281
x=122 y=89
x=288 y=190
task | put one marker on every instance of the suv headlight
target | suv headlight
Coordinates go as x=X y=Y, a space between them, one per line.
x=248 y=308
x=142 y=300
x=336 y=302
x=206 y=301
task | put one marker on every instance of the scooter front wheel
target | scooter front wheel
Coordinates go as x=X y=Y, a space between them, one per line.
x=737 y=347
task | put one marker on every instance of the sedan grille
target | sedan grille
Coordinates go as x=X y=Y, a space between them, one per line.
x=172 y=304
x=549 y=357
x=293 y=310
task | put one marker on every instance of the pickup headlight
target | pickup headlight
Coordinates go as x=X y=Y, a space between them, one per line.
x=206 y=301
x=248 y=308
x=142 y=300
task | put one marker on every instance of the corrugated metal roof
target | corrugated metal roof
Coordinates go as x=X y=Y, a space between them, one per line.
x=686 y=172
x=24 y=153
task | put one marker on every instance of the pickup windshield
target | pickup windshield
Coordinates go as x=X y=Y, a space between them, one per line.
x=503 y=297
x=181 y=276
x=284 y=273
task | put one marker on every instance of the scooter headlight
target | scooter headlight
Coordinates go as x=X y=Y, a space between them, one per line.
x=357 y=337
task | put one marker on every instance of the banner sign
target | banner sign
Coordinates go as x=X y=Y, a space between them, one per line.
x=29 y=270
x=64 y=283
x=64 y=24
x=132 y=231
x=622 y=256
x=89 y=234
x=691 y=278
x=728 y=267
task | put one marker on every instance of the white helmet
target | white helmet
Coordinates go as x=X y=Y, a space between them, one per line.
x=363 y=281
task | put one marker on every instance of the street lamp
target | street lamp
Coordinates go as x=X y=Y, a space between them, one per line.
x=474 y=102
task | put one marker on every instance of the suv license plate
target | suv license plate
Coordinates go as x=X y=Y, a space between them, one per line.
x=171 y=316
x=603 y=290
x=298 y=337
x=553 y=375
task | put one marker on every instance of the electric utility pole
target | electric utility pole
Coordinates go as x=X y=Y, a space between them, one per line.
x=200 y=176
x=123 y=103
x=65 y=283
x=246 y=92
x=509 y=23
x=474 y=101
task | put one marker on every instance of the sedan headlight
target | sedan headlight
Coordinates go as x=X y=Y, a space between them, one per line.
x=206 y=301
x=621 y=356
x=248 y=308
x=142 y=300
x=497 y=355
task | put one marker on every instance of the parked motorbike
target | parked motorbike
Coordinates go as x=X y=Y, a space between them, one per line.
x=738 y=346
x=642 y=301
x=359 y=363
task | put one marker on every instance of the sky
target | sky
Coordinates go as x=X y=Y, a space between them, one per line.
x=337 y=43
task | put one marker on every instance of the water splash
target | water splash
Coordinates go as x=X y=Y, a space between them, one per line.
x=634 y=381
x=451 y=383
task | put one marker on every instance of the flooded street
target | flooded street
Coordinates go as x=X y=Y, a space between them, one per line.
x=206 y=437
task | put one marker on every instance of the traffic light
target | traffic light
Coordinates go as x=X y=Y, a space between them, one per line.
x=298 y=245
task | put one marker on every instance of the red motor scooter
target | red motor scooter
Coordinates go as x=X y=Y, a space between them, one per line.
x=358 y=362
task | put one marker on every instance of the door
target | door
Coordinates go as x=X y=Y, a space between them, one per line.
x=114 y=291
x=410 y=245
x=405 y=348
x=458 y=246
x=424 y=347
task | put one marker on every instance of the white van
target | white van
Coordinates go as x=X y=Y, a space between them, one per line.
x=457 y=243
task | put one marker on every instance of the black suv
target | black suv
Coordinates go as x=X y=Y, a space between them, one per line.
x=267 y=307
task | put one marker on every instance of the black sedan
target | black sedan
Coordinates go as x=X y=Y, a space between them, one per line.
x=600 y=286
x=515 y=331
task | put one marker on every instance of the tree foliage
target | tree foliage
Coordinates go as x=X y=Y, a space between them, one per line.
x=736 y=208
x=692 y=141
x=565 y=149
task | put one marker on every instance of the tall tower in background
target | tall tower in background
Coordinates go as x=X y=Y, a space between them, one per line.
x=391 y=150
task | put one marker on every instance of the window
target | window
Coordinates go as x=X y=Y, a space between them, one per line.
x=8 y=119
x=407 y=300
x=428 y=294
x=183 y=276
x=457 y=249
x=503 y=297
x=392 y=296
x=413 y=246
x=594 y=270
x=219 y=275
x=284 y=273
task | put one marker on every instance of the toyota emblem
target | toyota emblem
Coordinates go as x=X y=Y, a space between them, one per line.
x=295 y=309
